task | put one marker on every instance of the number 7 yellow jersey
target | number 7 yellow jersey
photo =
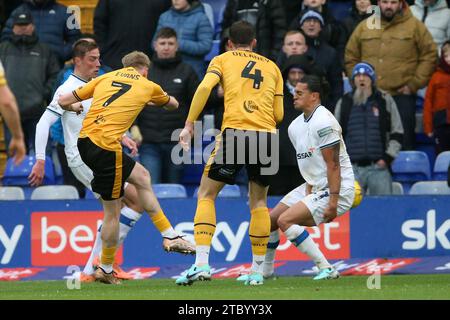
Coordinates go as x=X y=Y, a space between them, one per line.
x=250 y=83
x=118 y=97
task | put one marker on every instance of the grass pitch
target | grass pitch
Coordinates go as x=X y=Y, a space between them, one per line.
x=286 y=288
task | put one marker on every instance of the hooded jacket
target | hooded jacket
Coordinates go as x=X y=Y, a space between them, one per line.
x=31 y=70
x=436 y=19
x=194 y=34
x=51 y=26
x=353 y=19
x=287 y=151
x=402 y=52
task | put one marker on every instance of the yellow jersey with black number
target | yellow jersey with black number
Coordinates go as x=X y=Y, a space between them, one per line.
x=250 y=83
x=118 y=98
x=2 y=75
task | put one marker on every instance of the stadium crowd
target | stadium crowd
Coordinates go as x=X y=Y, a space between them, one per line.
x=387 y=67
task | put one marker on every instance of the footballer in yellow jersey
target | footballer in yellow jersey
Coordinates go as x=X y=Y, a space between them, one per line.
x=253 y=92
x=118 y=98
x=250 y=83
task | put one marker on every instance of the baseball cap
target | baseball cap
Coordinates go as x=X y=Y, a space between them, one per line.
x=23 y=18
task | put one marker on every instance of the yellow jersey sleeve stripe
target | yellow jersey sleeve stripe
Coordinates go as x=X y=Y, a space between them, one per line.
x=76 y=95
x=217 y=73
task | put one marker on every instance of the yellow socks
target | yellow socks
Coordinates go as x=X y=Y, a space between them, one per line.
x=204 y=222
x=161 y=222
x=259 y=230
x=107 y=258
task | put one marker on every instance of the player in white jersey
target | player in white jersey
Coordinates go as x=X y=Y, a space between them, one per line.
x=323 y=162
x=86 y=60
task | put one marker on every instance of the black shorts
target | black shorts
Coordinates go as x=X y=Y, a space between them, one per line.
x=256 y=150
x=110 y=168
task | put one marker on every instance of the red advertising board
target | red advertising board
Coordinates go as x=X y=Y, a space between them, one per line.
x=64 y=238
x=332 y=238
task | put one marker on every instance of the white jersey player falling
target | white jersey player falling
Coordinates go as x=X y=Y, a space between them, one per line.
x=72 y=123
x=309 y=136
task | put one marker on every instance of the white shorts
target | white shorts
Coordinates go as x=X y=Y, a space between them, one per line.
x=84 y=174
x=317 y=201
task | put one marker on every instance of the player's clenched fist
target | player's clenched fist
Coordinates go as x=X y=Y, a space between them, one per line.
x=186 y=135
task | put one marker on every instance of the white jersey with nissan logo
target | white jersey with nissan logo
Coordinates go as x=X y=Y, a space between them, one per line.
x=309 y=136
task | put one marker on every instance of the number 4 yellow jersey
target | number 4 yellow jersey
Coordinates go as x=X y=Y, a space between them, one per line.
x=250 y=82
x=118 y=97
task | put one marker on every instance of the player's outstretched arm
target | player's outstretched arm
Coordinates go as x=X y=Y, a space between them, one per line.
x=10 y=112
x=331 y=157
x=42 y=130
x=172 y=104
x=198 y=103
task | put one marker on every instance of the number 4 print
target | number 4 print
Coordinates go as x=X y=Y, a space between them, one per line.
x=256 y=77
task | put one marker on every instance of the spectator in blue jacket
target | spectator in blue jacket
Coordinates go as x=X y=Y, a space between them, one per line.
x=195 y=34
x=55 y=26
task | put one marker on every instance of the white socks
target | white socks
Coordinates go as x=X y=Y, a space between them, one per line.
x=274 y=241
x=128 y=219
x=202 y=255
x=169 y=233
x=258 y=263
x=301 y=239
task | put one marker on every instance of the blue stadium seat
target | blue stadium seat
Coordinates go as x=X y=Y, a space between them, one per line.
x=169 y=190
x=11 y=193
x=18 y=175
x=218 y=7
x=56 y=192
x=228 y=191
x=430 y=188
x=441 y=166
x=409 y=167
x=397 y=188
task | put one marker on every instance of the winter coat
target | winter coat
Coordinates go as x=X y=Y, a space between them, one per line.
x=326 y=57
x=194 y=33
x=51 y=26
x=31 y=69
x=402 y=52
x=436 y=19
x=270 y=25
x=333 y=32
x=390 y=124
x=178 y=79
x=352 y=20
x=124 y=26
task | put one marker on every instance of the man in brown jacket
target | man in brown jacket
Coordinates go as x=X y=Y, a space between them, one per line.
x=402 y=51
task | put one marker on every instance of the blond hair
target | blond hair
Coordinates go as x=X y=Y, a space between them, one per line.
x=136 y=59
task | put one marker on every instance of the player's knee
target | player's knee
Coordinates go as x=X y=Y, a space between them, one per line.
x=283 y=222
x=141 y=177
x=273 y=223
